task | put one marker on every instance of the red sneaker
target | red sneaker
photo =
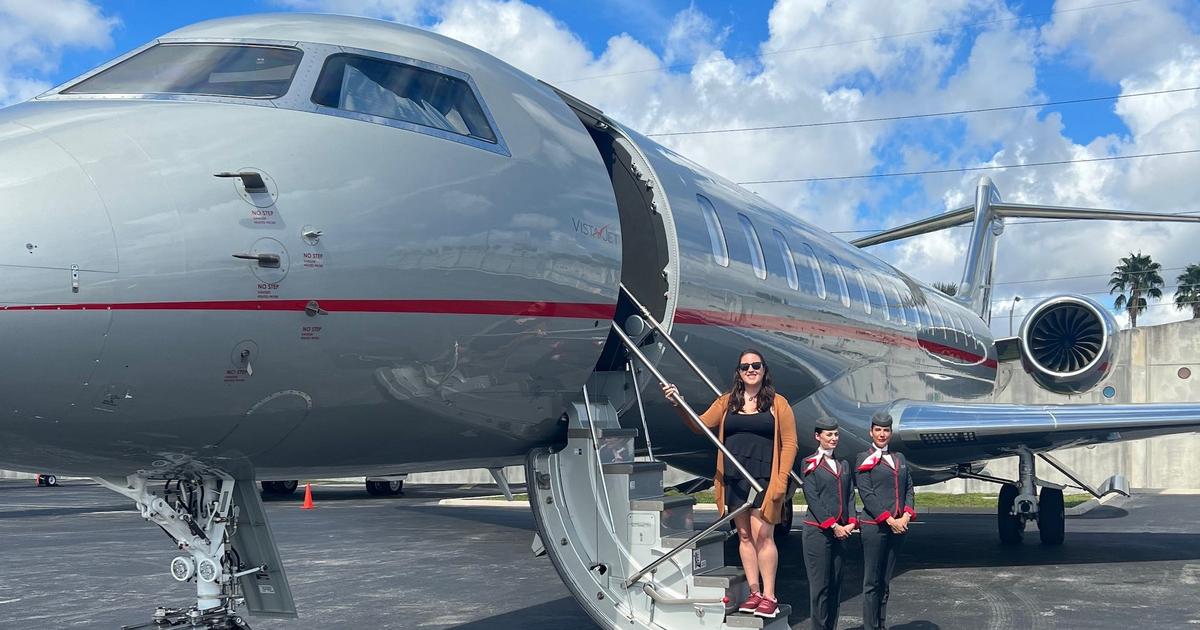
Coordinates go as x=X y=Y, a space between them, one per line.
x=767 y=608
x=751 y=603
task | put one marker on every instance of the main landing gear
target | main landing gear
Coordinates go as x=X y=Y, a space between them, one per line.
x=279 y=488
x=385 y=486
x=47 y=480
x=220 y=527
x=1021 y=501
x=1049 y=511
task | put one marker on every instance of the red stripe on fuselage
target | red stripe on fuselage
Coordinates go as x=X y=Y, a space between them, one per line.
x=699 y=317
x=511 y=308
x=518 y=308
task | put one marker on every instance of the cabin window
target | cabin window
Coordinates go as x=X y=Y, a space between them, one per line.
x=940 y=321
x=812 y=277
x=755 y=247
x=959 y=331
x=858 y=291
x=235 y=70
x=402 y=92
x=878 y=297
x=716 y=235
x=910 y=305
x=923 y=312
x=896 y=305
x=835 y=279
x=789 y=264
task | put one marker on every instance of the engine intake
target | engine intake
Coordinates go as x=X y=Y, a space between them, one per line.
x=1068 y=343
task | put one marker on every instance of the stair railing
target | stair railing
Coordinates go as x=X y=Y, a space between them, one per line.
x=637 y=393
x=666 y=336
x=756 y=488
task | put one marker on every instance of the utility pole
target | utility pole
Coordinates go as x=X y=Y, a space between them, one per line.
x=1010 y=314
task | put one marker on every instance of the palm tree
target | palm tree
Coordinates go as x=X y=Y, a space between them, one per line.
x=949 y=288
x=1187 y=294
x=1138 y=276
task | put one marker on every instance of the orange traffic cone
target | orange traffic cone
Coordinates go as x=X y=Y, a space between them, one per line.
x=308 y=504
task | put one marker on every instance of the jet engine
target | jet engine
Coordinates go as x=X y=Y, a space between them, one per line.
x=1068 y=344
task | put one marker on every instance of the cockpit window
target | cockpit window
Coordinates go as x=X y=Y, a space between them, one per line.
x=235 y=70
x=403 y=92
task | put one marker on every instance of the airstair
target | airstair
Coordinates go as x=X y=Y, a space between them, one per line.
x=629 y=553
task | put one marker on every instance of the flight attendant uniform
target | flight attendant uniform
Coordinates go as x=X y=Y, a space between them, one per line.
x=829 y=493
x=885 y=487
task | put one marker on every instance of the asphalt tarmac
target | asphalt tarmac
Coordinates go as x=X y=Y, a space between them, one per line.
x=78 y=556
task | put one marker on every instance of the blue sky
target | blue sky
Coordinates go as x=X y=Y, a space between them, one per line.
x=742 y=27
x=793 y=61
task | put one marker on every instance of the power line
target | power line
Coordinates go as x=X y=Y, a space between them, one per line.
x=1031 y=222
x=957 y=112
x=967 y=169
x=1094 y=275
x=1148 y=305
x=879 y=38
x=1032 y=298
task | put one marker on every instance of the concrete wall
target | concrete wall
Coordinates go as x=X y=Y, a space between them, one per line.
x=12 y=474
x=1148 y=370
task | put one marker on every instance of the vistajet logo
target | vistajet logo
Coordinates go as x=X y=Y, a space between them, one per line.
x=598 y=232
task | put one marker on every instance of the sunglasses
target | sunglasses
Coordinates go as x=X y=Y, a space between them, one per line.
x=757 y=365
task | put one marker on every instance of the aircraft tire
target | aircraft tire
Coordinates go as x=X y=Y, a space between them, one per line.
x=1010 y=527
x=785 y=523
x=1052 y=516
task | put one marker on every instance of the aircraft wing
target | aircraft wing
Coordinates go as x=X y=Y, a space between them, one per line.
x=961 y=432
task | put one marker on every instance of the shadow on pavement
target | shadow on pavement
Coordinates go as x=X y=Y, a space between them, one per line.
x=552 y=615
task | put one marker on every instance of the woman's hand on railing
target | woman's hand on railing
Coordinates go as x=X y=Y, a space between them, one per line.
x=672 y=393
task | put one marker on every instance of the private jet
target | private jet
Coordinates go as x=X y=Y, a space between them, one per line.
x=295 y=246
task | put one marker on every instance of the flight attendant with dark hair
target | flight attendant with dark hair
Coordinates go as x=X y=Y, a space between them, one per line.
x=829 y=493
x=756 y=425
x=886 y=489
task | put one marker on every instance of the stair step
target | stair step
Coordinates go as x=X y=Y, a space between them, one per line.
x=660 y=503
x=747 y=620
x=675 y=538
x=633 y=468
x=577 y=432
x=724 y=577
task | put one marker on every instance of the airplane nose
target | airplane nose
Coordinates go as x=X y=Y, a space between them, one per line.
x=57 y=258
x=54 y=218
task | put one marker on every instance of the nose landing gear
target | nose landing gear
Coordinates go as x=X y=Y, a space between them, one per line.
x=227 y=549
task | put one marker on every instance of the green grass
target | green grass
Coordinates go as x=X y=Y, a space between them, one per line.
x=933 y=499
x=927 y=499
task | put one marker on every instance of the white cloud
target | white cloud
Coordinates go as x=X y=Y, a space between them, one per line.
x=1119 y=40
x=33 y=36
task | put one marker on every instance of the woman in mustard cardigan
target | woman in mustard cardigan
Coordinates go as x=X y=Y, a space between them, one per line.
x=758 y=428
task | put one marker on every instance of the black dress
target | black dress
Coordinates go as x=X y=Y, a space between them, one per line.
x=750 y=437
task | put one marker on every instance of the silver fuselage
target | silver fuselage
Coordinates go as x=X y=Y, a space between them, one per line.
x=462 y=294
